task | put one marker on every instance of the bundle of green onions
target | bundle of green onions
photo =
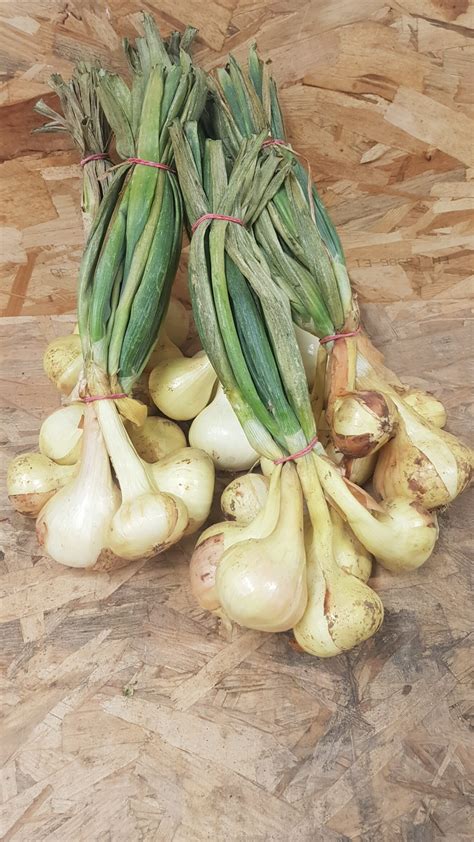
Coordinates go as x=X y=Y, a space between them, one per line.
x=125 y=281
x=83 y=119
x=273 y=574
x=361 y=404
x=360 y=407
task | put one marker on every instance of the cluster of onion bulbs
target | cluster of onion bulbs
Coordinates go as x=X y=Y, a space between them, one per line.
x=104 y=490
x=271 y=565
x=286 y=556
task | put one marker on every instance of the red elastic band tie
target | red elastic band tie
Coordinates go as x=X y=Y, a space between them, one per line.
x=339 y=336
x=216 y=216
x=151 y=164
x=298 y=455
x=99 y=156
x=92 y=398
x=274 y=141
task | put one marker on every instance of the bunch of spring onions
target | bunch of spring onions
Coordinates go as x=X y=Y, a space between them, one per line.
x=98 y=519
x=271 y=570
x=360 y=406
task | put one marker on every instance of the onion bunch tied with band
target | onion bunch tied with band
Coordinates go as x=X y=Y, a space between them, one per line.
x=99 y=519
x=360 y=406
x=273 y=573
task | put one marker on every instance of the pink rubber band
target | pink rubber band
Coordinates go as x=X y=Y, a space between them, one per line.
x=339 y=336
x=150 y=164
x=216 y=216
x=274 y=141
x=298 y=455
x=92 y=398
x=99 y=156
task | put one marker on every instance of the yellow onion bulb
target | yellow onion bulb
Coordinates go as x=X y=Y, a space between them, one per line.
x=202 y=571
x=219 y=537
x=261 y=582
x=358 y=471
x=342 y=611
x=32 y=479
x=182 y=386
x=156 y=438
x=176 y=323
x=146 y=525
x=73 y=525
x=362 y=422
x=187 y=474
x=420 y=533
x=164 y=349
x=423 y=463
x=245 y=497
x=401 y=534
x=62 y=362
x=60 y=435
x=218 y=432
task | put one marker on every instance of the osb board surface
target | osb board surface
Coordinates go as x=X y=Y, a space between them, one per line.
x=129 y=716
x=378 y=97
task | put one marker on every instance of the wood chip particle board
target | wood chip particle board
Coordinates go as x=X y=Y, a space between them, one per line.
x=127 y=713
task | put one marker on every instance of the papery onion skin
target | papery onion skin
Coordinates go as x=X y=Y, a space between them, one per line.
x=361 y=470
x=362 y=422
x=422 y=461
x=358 y=471
x=141 y=392
x=426 y=405
x=62 y=362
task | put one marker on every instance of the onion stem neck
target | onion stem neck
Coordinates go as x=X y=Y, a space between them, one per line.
x=94 y=461
x=316 y=502
x=131 y=473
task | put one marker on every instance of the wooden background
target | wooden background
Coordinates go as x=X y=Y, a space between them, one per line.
x=128 y=716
